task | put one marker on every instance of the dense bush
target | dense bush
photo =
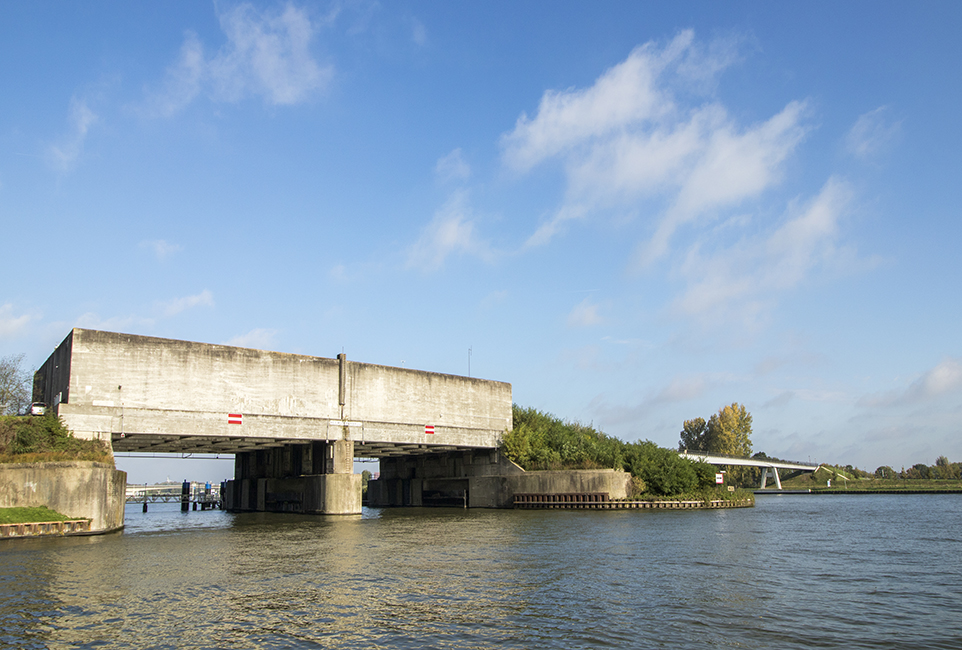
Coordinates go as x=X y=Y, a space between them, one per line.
x=540 y=441
x=37 y=439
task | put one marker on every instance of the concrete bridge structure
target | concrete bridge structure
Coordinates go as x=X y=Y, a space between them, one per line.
x=293 y=422
x=769 y=467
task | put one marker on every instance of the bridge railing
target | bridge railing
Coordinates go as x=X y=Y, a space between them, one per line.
x=697 y=452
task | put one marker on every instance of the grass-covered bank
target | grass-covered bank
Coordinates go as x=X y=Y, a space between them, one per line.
x=43 y=439
x=30 y=515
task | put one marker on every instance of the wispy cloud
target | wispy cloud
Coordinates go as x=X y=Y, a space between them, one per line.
x=162 y=249
x=871 y=134
x=259 y=338
x=680 y=389
x=178 y=305
x=12 y=324
x=267 y=54
x=419 y=33
x=585 y=314
x=739 y=281
x=63 y=156
x=451 y=231
x=629 y=138
x=943 y=379
x=93 y=321
x=452 y=167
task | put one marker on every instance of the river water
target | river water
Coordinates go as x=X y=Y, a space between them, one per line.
x=794 y=572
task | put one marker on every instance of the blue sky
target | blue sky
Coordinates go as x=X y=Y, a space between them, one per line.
x=635 y=213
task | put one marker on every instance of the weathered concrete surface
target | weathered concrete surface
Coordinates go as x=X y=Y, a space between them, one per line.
x=328 y=494
x=160 y=395
x=575 y=481
x=482 y=479
x=78 y=489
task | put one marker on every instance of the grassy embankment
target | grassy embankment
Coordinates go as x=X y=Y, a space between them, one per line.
x=30 y=515
x=29 y=439
x=843 y=481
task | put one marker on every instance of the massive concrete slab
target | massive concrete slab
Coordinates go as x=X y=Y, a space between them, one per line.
x=155 y=395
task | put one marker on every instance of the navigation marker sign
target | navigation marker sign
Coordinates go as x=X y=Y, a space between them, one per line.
x=235 y=418
x=429 y=428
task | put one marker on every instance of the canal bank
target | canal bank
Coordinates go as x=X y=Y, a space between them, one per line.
x=81 y=490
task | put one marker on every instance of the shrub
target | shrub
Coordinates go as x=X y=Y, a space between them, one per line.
x=39 y=439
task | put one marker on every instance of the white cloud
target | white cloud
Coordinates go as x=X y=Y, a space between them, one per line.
x=627 y=93
x=92 y=321
x=628 y=137
x=338 y=272
x=452 y=167
x=451 y=231
x=182 y=82
x=267 y=54
x=419 y=33
x=258 y=338
x=871 y=134
x=943 y=379
x=161 y=248
x=64 y=155
x=737 y=282
x=12 y=325
x=679 y=389
x=585 y=314
x=178 y=305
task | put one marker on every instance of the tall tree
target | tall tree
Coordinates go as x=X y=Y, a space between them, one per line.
x=15 y=385
x=693 y=435
x=727 y=432
x=730 y=431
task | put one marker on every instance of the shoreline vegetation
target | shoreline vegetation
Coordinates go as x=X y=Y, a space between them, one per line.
x=941 y=478
x=541 y=441
x=45 y=439
x=31 y=515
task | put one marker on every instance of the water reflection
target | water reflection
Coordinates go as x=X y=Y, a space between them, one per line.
x=802 y=572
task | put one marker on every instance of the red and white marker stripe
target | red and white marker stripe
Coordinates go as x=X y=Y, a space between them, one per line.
x=429 y=428
x=235 y=418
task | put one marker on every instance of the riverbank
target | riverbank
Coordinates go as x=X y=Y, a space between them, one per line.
x=598 y=502
x=80 y=490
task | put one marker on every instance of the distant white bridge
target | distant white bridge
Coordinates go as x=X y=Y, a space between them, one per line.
x=769 y=466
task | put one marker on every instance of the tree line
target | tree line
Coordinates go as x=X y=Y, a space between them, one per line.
x=541 y=441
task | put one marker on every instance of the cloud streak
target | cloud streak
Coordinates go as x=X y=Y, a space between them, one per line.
x=267 y=54
x=451 y=232
x=943 y=379
x=179 y=305
x=63 y=156
x=736 y=282
x=162 y=249
x=871 y=134
x=11 y=324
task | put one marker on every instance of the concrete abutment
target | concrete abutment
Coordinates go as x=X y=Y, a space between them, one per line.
x=312 y=478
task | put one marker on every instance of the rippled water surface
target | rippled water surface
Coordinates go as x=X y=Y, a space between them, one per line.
x=793 y=572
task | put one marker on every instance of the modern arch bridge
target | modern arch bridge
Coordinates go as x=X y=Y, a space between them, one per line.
x=769 y=466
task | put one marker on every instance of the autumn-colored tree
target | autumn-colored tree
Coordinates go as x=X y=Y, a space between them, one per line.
x=727 y=432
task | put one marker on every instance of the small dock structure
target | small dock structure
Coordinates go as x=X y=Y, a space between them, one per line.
x=205 y=496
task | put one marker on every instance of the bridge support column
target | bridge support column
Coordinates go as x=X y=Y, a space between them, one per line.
x=315 y=478
x=774 y=473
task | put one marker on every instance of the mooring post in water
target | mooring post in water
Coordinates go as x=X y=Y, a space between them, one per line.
x=145 y=497
x=185 y=497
